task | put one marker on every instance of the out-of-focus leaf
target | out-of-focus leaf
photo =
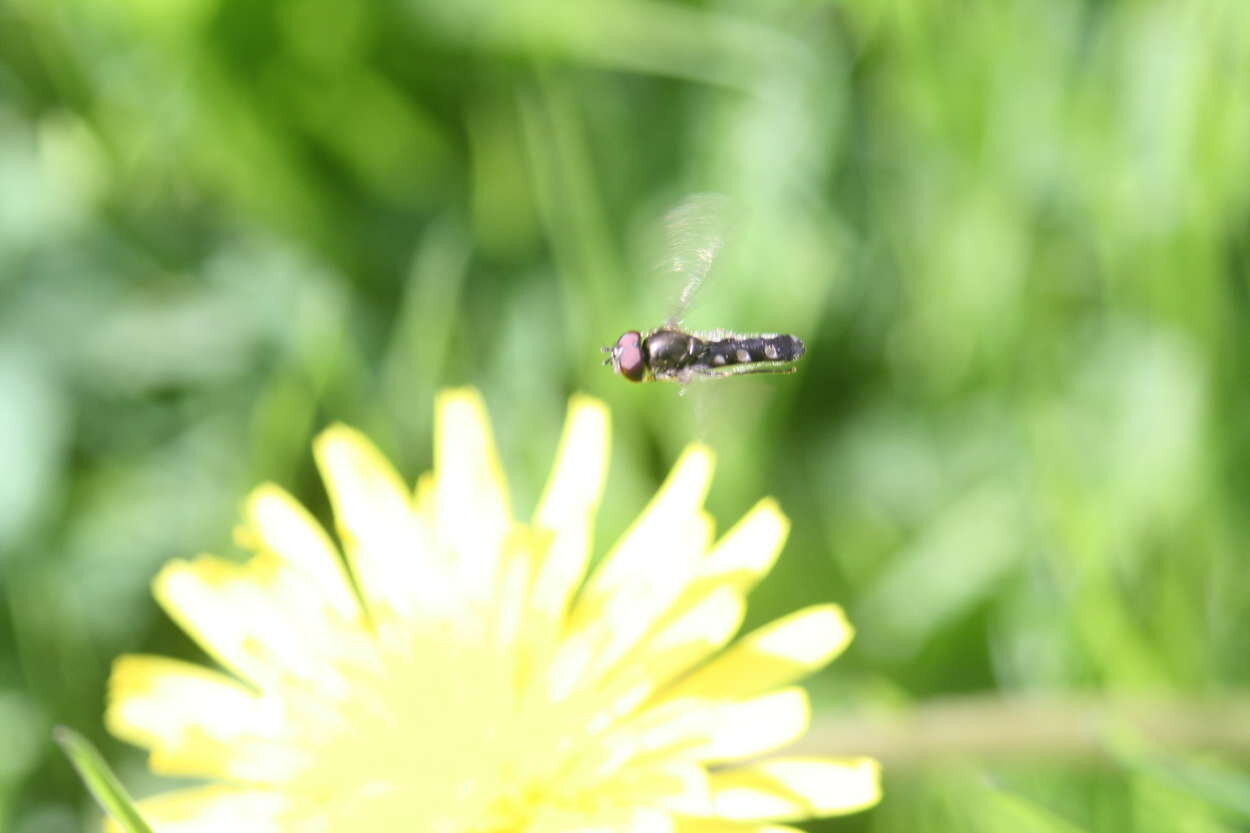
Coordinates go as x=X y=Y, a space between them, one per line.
x=101 y=781
x=34 y=427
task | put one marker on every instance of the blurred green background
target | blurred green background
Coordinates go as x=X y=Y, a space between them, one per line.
x=1012 y=232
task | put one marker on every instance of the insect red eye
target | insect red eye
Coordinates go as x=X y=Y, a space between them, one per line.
x=627 y=356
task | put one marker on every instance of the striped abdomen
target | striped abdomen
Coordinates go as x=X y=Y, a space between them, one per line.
x=751 y=349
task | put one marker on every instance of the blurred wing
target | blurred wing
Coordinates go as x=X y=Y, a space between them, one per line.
x=743 y=369
x=695 y=233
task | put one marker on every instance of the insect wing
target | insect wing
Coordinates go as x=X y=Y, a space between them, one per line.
x=708 y=372
x=694 y=233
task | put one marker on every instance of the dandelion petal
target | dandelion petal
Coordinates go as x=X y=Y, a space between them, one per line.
x=786 y=789
x=281 y=525
x=754 y=727
x=212 y=810
x=261 y=620
x=470 y=496
x=392 y=557
x=677 y=646
x=232 y=612
x=772 y=656
x=196 y=722
x=647 y=574
x=748 y=551
x=647 y=544
x=711 y=732
x=709 y=825
x=569 y=504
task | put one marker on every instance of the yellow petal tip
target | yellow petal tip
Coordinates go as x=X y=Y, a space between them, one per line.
x=697 y=454
x=334 y=432
x=461 y=403
x=580 y=402
x=335 y=439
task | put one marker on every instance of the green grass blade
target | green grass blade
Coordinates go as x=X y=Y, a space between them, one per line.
x=103 y=784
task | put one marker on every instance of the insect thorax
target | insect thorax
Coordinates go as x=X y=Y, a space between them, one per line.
x=670 y=347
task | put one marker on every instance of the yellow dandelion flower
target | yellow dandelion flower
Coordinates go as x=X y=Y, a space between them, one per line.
x=454 y=671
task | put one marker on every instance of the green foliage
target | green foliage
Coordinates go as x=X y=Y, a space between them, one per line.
x=1012 y=232
x=100 y=780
